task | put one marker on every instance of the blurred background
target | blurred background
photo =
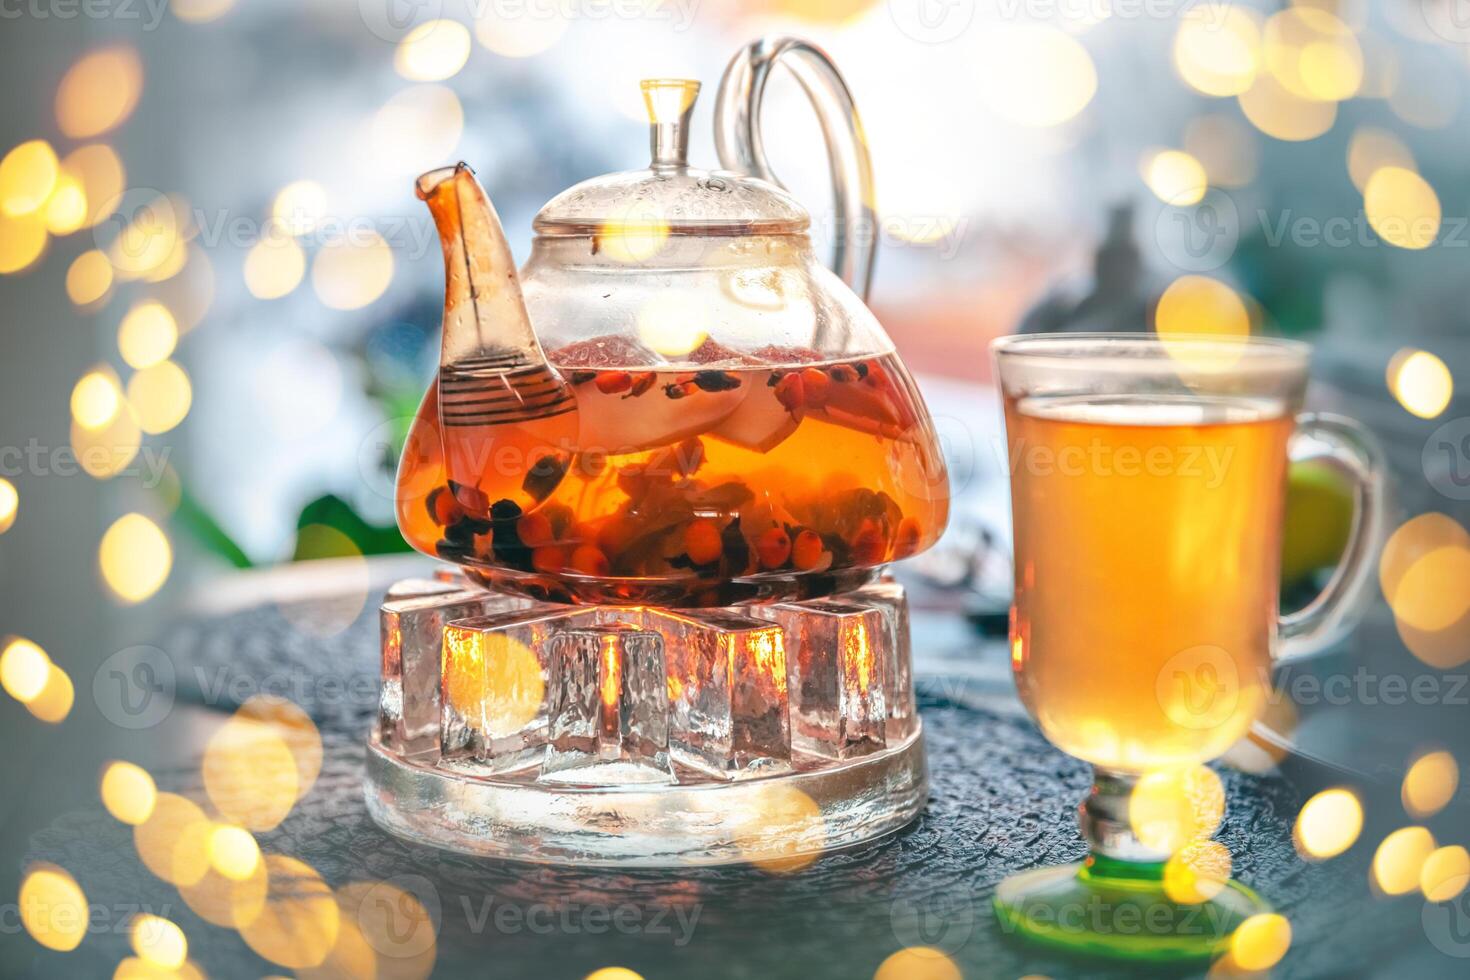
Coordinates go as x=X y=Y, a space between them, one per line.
x=220 y=299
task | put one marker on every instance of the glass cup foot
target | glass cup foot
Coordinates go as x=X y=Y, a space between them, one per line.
x=1108 y=908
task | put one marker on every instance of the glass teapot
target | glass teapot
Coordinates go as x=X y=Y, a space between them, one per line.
x=674 y=402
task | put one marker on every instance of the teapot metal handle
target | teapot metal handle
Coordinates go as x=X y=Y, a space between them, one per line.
x=738 y=141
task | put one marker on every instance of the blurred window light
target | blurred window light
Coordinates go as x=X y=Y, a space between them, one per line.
x=1036 y=76
x=28 y=175
x=1219 y=56
x=433 y=51
x=99 y=92
x=536 y=29
x=417 y=129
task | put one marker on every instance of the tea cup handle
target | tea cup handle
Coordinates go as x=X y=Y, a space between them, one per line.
x=741 y=148
x=1349 y=447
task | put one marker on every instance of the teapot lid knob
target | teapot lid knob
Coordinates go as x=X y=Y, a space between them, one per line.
x=670 y=103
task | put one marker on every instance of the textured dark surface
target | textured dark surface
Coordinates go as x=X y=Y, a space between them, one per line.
x=1001 y=801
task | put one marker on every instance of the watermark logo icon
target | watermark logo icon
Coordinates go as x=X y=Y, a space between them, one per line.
x=942 y=920
x=1199 y=688
x=1198 y=234
x=1447 y=925
x=134 y=688
x=932 y=21
x=1446 y=459
x=391 y=20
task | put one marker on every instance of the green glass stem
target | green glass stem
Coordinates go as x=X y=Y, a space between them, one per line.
x=1114 y=903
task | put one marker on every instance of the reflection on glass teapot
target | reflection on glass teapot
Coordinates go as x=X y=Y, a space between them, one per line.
x=675 y=401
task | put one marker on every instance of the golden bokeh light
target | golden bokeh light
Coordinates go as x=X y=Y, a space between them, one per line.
x=1195 y=306
x=274 y=267
x=1402 y=208
x=1430 y=784
x=9 y=504
x=66 y=208
x=433 y=51
x=233 y=852
x=786 y=832
x=106 y=452
x=135 y=558
x=200 y=11
x=220 y=900
x=189 y=294
x=250 y=774
x=493 y=680
x=669 y=324
x=523 y=36
x=1035 y=75
x=394 y=925
x=1434 y=592
x=1175 y=177
x=1400 y=858
x=173 y=842
x=147 y=334
x=158 y=941
x=1197 y=872
x=1312 y=54
x=99 y=171
x=128 y=792
x=89 y=279
x=918 y=963
x=160 y=396
x=28 y=175
x=1445 y=874
x=1421 y=382
x=416 y=130
x=1172 y=808
x=1277 y=112
x=1413 y=540
x=135 y=968
x=1260 y=941
x=96 y=399
x=298 y=925
x=635 y=233
x=54 y=702
x=146 y=243
x=1219 y=57
x=293 y=726
x=53 y=908
x=1225 y=147
x=300 y=207
x=352 y=955
x=1328 y=824
x=23 y=241
x=613 y=973
x=1372 y=149
x=24 y=669
x=99 y=92
x=348 y=274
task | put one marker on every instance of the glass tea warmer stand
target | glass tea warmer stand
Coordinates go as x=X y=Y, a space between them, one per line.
x=669 y=458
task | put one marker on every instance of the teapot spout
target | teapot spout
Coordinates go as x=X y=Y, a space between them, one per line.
x=484 y=314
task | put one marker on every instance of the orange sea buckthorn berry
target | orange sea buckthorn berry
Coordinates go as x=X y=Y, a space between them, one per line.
x=614 y=536
x=443 y=508
x=773 y=547
x=534 y=529
x=789 y=392
x=867 y=543
x=814 y=385
x=906 y=538
x=589 y=560
x=877 y=377
x=641 y=383
x=702 y=541
x=549 y=559
x=806 y=550
x=612 y=382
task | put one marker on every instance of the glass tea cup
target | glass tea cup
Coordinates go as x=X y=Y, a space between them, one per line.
x=1148 y=484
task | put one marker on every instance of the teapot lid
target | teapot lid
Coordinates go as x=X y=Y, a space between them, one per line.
x=671 y=197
